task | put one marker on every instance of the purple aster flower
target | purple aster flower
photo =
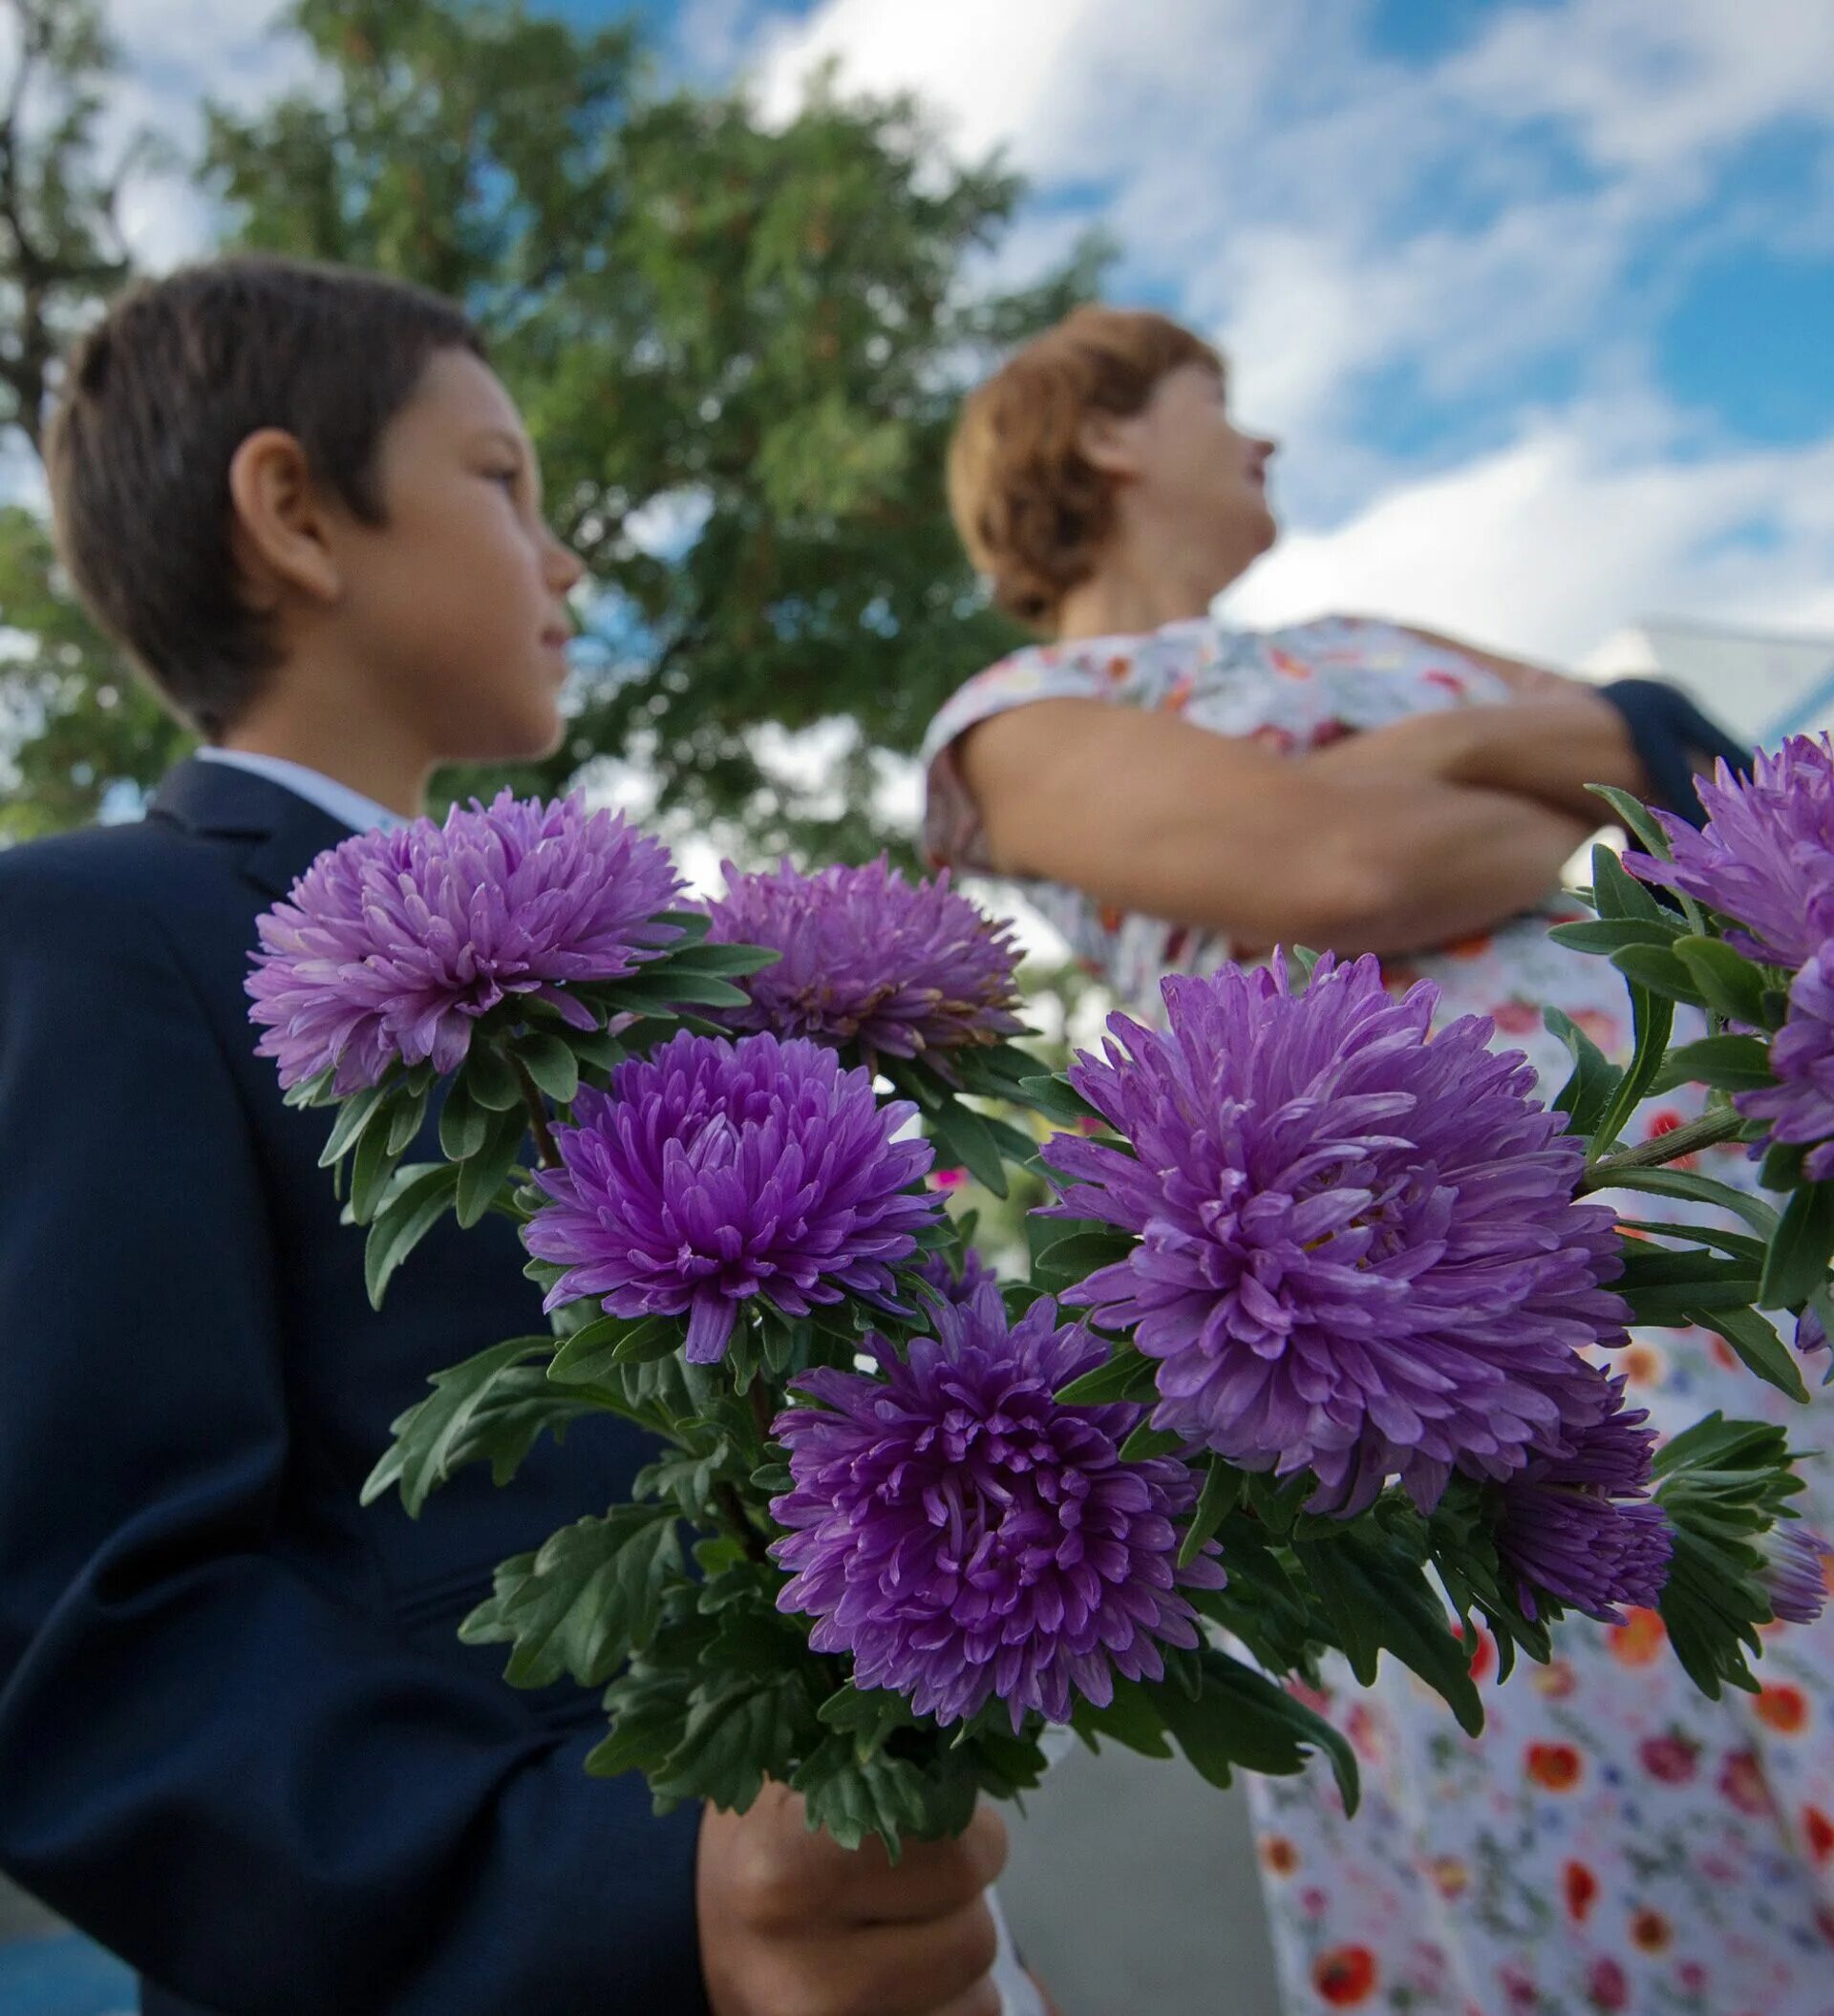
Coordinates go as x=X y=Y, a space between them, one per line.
x=394 y=943
x=712 y=1171
x=1359 y=1249
x=1579 y=1526
x=1799 y=1106
x=901 y=969
x=1795 y=1571
x=1765 y=857
x=965 y=1534
x=937 y=1269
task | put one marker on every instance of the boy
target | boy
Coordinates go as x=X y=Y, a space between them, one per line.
x=238 y=1741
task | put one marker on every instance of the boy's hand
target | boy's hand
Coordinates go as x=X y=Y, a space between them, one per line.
x=793 y=1924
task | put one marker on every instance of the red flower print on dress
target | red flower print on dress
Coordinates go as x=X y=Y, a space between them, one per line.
x=1817 y=1830
x=1691 y=1976
x=1672 y=1759
x=1637 y=1642
x=1608 y=1986
x=1782 y=1709
x=1345 y=1977
x=1447 y=682
x=1580 y=1886
x=1741 y=1779
x=1483 y=1652
x=1278 y=1856
x=1554 y=1765
x=1516 y=1018
x=1555 y=1680
x=1649 y=1931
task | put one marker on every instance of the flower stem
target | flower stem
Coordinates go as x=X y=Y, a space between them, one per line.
x=739 y=1520
x=550 y=1155
x=1722 y=1125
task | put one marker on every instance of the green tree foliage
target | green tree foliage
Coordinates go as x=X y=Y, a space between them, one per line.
x=739 y=347
x=70 y=719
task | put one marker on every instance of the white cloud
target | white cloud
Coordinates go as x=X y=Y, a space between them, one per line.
x=174 y=54
x=1581 y=523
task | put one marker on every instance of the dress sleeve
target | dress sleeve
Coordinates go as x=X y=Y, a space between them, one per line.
x=952 y=833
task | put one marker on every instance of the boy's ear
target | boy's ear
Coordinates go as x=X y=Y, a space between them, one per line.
x=281 y=529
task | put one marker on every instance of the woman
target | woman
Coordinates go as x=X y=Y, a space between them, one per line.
x=1176 y=793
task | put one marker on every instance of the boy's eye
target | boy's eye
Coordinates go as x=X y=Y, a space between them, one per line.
x=509 y=478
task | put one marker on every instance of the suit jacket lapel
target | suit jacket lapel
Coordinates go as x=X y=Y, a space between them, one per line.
x=281 y=833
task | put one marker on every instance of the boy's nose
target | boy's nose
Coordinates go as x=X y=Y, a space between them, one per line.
x=562 y=567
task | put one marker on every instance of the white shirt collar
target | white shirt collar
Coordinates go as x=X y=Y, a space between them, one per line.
x=350 y=808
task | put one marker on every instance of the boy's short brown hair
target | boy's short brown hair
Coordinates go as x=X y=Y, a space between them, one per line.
x=157 y=399
x=1031 y=508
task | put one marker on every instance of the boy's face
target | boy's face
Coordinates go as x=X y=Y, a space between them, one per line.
x=458 y=597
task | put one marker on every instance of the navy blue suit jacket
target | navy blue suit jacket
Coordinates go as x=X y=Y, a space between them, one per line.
x=238 y=1741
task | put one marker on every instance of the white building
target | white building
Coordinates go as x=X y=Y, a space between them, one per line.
x=1761 y=686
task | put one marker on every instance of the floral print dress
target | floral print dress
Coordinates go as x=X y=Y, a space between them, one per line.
x=1613 y=1841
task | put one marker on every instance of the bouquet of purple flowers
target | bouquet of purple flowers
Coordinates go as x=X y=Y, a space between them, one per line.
x=1308 y=1356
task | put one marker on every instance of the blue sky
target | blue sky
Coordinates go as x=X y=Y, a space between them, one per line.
x=1538 y=294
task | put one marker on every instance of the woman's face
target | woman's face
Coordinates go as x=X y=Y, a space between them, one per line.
x=1187 y=468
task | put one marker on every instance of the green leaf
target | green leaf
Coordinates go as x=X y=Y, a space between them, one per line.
x=1660 y=972
x=1725 y=1063
x=1147 y=1442
x=1378 y=1599
x=405 y=1120
x=1699 y=1190
x=1797 y=1264
x=1132 y=1718
x=1241 y=1718
x=412 y=1209
x=851 y=1797
x=737 y=1735
x=1728 y=982
x=969 y=1141
x=589 y=1599
x=372 y=1170
x=482 y=1174
x=1611 y=934
x=1067 y=1263
x=592 y=1356
x=1588 y=1093
x=1758 y=1347
x=1636 y=819
x=464 y=1126
x=867 y=1716
x=663 y=987
x=1652 y=1018
x=549 y=1060
x=455 y=1424
x=1128 y=1375
x=1057 y=1100
x=1616 y=892
x=353 y=1117
x=1222 y=1494
x=722 y=961
x=648 y=1708
x=1674 y=1306
x=489 y=1079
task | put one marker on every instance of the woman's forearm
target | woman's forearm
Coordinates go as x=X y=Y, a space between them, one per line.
x=1383 y=866
x=1546 y=750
